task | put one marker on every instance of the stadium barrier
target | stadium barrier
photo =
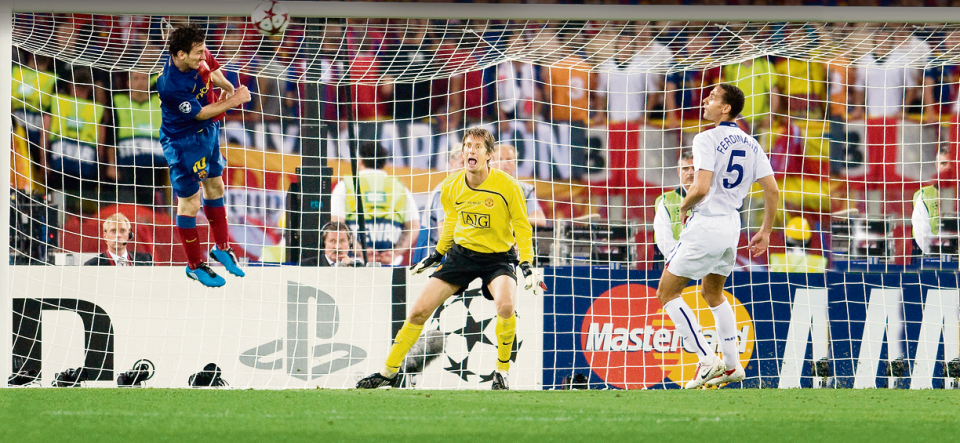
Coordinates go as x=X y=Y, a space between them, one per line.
x=304 y=328
x=609 y=324
x=282 y=328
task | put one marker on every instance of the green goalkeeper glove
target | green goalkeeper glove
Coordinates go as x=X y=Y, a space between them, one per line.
x=533 y=281
x=429 y=262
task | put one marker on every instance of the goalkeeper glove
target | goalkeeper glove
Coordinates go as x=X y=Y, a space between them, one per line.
x=429 y=262
x=532 y=280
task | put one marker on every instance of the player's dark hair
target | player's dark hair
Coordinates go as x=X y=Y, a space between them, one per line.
x=732 y=96
x=372 y=155
x=482 y=134
x=686 y=154
x=184 y=38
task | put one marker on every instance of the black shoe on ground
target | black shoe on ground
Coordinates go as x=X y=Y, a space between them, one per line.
x=499 y=382
x=377 y=381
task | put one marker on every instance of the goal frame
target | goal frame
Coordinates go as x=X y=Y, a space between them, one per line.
x=401 y=11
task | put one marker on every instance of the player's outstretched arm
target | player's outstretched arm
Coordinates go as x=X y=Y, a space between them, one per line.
x=771 y=195
x=239 y=97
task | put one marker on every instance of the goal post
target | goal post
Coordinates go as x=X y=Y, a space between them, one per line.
x=598 y=103
x=6 y=300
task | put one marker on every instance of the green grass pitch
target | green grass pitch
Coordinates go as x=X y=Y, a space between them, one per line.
x=99 y=415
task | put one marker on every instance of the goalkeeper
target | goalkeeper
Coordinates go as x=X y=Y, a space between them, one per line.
x=485 y=216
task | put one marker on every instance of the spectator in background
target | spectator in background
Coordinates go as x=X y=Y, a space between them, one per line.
x=940 y=82
x=505 y=159
x=926 y=209
x=667 y=223
x=389 y=210
x=117 y=232
x=433 y=213
x=688 y=86
x=234 y=128
x=336 y=243
x=801 y=80
x=75 y=138
x=136 y=122
x=758 y=80
x=412 y=97
x=368 y=95
x=797 y=256
x=519 y=101
x=841 y=75
x=570 y=86
x=275 y=127
x=34 y=88
x=472 y=93
x=802 y=179
x=881 y=82
x=654 y=58
x=621 y=87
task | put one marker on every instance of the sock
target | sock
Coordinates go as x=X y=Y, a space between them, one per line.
x=506 y=331
x=190 y=238
x=727 y=331
x=217 y=216
x=407 y=336
x=689 y=328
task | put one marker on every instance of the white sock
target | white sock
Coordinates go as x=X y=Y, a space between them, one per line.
x=689 y=328
x=727 y=332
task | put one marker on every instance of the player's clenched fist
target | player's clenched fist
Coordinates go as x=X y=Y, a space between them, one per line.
x=429 y=262
x=241 y=95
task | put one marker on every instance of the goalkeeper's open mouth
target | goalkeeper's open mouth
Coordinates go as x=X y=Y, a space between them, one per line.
x=471 y=161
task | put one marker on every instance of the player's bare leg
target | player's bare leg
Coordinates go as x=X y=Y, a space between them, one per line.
x=213 y=207
x=433 y=295
x=197 y=268
x=726 y=329
x=668 y=291
x=504 y=291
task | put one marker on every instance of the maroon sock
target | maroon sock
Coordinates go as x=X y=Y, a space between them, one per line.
x=187 y=228
x=217 y=216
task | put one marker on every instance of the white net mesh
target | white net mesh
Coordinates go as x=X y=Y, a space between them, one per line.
x=858 y=120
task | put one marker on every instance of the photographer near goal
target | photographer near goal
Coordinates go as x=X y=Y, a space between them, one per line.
x=486 y=216
x=726 y=161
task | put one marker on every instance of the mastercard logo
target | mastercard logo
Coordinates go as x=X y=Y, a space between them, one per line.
x=631 y=343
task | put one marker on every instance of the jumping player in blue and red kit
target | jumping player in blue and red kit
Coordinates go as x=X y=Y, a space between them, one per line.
x=190 y=136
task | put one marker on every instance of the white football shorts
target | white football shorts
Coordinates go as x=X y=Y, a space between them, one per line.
x=708 y=245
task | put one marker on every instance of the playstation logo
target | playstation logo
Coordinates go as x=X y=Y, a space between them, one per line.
x=299 y=353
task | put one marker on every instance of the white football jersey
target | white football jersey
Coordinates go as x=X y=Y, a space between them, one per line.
x=737 y=161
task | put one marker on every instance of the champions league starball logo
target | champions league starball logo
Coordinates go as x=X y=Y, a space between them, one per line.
x=469 y=323
x=631 y=343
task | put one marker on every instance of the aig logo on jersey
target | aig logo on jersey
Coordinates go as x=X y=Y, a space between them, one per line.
x=630 y=342
x=475 y=220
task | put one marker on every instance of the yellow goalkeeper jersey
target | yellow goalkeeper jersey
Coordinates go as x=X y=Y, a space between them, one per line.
x=489 y=218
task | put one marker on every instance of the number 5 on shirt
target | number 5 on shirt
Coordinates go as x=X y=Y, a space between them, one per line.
x=734 y=167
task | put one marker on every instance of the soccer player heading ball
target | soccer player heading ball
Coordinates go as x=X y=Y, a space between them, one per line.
x=485 y=216
x=190 y=136
x=726 y=161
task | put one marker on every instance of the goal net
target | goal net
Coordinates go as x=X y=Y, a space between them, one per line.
x=593 y=117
